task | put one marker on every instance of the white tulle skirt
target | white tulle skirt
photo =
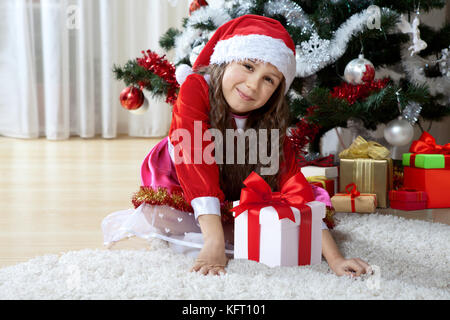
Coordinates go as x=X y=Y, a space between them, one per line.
x=178 y=228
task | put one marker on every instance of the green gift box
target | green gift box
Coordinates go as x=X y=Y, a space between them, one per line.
x=426 y=161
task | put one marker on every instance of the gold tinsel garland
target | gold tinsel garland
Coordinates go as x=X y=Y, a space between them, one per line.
x=175 y=199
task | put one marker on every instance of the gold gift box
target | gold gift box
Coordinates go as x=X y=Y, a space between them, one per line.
x=364 y=203
x=369 y=175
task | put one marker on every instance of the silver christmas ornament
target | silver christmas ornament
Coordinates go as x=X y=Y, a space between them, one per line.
x=359 y=71
x=411 y=112
x=399 y=132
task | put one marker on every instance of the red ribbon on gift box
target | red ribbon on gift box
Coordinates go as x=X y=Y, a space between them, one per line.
x=427 y=144
x=352 y=192
x=296 y=192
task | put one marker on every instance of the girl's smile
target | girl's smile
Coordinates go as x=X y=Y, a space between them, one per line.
x=247 y=85
x=243 y=96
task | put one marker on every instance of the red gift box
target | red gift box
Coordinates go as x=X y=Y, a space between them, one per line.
x=435 y=182
x=408 y=199
x=326 y=184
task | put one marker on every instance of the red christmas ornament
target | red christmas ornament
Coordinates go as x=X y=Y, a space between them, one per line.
x=196 y=4
x=131 y=98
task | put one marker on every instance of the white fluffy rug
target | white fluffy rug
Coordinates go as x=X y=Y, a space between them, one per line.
x=410 y=258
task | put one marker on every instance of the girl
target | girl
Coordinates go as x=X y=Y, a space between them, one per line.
x=242 y=76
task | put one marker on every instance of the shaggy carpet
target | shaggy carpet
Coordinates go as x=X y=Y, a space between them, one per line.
x=410 y=259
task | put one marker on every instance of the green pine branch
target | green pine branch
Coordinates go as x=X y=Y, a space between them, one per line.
x=133 y=74
x=167 y=40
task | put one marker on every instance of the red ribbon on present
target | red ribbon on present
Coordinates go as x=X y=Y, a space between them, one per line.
x=320 y=162
x=296 y=192
x=427 y=144
x=352 y=192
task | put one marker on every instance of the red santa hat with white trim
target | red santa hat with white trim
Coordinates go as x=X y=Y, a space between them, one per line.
x=248 y=37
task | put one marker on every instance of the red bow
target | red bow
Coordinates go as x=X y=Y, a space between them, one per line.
x=352 y=192
x=427 y=144
x=296 y=192
x=320 y=162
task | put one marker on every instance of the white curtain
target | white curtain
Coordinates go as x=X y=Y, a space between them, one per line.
x=56 y=59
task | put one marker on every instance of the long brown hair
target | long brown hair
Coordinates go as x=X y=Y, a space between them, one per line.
x=273 y=115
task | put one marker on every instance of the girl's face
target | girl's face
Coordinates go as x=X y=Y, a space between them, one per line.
x=247 y=85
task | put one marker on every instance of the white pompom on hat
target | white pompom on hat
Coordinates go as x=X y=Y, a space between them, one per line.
x=248 y=37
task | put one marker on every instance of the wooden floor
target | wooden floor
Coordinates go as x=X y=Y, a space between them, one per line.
x=54 y=194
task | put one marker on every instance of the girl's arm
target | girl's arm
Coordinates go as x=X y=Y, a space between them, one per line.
x=337 y=262
x=212 y=258
x=330 y=250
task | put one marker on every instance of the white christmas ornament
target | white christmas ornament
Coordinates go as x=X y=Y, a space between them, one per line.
x=359 y=71
x=405 y=27
x=399 y=132
x=315 y=51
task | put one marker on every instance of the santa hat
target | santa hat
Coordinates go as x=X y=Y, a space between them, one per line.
x=248 y=37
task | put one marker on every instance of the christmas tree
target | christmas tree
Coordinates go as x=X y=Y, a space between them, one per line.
x=360 y=63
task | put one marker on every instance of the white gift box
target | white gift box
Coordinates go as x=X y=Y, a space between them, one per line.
x=279 y=239
x=329 y=172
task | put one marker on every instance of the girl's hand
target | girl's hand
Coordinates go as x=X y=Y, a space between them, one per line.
x=212 y=258
x=351 y=267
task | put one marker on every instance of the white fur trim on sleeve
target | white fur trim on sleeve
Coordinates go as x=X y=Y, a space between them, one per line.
x=205 y=205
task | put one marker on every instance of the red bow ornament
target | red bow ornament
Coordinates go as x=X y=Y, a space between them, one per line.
x=295 y=193
x=427 y=144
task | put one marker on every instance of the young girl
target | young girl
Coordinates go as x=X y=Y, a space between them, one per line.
x=242 y=76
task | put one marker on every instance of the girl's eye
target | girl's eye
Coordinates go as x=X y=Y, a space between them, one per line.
x=269 y=80
x=248 y=67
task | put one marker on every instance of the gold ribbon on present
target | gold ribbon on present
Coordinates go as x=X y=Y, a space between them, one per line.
x=360 y=164
x=320 y=179
x=360 y=148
